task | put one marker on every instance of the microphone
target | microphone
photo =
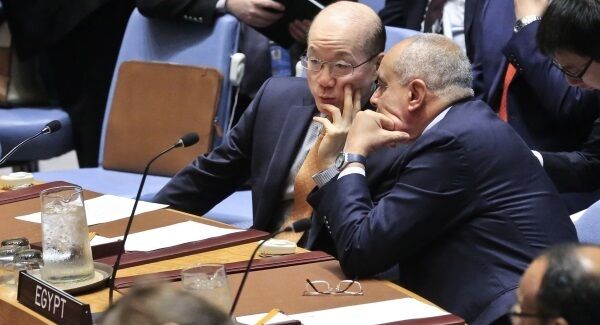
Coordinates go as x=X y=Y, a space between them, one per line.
x=298 y=226
x=187 y=140
x=51 y=127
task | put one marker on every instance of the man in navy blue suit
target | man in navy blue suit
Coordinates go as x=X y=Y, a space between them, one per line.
x=470 y=206
x=269 y=144
x=575 y=48
x=548 y=113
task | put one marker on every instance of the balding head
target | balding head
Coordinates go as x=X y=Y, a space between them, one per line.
x=344 y=34
x=564 y=283
x=354 y=19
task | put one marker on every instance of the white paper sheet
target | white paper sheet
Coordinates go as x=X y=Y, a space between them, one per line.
x=99 y=240
x=374 y=313
x=105 y=208
x=172 y=235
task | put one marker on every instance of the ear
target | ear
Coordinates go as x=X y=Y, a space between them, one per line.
x=378 y=60
x=417 y=91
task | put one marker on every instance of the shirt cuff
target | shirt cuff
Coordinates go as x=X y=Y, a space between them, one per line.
x=323 y=177
x=538 y=156
x=221 y=6
x=352 y=170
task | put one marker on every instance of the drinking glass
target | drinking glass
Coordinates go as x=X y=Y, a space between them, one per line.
x=67 y=253
x=208 y=281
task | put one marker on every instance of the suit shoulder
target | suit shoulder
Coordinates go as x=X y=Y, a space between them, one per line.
x=289 y=86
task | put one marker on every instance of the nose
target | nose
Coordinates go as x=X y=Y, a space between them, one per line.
x=576 y=82
x=324 y=77
x=375 y=98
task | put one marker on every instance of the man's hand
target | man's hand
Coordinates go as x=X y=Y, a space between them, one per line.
x=336 y=126
x=256 y=13
x=524 y=8
x=371 y=131
x=299 y=30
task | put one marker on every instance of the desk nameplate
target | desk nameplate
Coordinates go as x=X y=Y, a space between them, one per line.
x=51 y=302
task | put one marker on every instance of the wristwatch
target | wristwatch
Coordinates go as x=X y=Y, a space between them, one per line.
x=344 y=158
x=525 y=21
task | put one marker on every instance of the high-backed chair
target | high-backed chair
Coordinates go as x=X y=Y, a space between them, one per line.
x=165 y=41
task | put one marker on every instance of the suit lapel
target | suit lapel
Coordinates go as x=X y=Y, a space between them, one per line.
x=290 y=139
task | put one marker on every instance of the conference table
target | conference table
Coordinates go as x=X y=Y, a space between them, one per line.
x=274 y=281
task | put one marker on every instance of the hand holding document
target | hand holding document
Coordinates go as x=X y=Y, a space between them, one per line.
x=105 y=208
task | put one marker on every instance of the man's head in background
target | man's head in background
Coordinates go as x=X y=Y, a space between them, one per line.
x=345 y=45
x=570 y=33
x=562 y=286
x=160 y=305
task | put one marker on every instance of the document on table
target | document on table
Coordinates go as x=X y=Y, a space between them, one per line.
x=177 y=234
x=105 y=208
x=373 y=313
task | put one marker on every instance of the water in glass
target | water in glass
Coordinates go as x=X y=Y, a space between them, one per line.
x=67 y=252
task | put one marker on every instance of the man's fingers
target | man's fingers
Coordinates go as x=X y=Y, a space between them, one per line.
x=264 y=16
x=385 y=122
x=357 y=99
x=332 y=111
x=394 y=137
x=325 y=122
x=271 y=5
x=297 y=32
x=348 y=109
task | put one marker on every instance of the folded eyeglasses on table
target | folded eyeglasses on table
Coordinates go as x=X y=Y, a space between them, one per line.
x=344 y=287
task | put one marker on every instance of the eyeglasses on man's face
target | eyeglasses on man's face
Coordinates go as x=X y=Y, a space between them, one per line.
x=575 y=75
x=344 y=287
x=516 y=315
x=337 y=68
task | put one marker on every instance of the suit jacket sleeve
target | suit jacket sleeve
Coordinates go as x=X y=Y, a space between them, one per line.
x=568 y=104
x=577 y=171
x=212 y=177
x=473 y=35
x=430 y=196
x=200 y=11
x=403 y=13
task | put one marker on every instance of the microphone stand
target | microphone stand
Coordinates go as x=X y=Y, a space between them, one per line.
x=180 y=143
x=298 y=226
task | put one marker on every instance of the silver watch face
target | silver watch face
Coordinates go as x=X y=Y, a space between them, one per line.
x=339 y=161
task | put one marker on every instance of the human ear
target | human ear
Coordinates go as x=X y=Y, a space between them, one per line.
x=417 y=90
x=378 y=60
